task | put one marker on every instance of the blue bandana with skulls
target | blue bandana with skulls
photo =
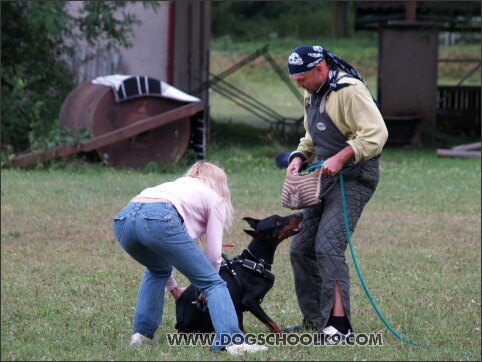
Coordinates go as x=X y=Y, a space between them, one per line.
x=305 y=57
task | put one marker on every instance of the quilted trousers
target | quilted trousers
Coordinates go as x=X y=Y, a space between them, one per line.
x=318 y=255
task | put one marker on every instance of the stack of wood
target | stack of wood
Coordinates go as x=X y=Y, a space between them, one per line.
x=461 y=151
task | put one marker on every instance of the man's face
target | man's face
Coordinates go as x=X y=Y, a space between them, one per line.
x=310 y=81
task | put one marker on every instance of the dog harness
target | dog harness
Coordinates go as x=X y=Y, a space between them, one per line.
x=259 y=266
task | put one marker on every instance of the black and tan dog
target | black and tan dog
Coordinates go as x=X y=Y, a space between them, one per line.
x=248 y=276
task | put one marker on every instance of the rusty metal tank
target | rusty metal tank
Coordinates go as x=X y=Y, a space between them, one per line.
x=93 y=106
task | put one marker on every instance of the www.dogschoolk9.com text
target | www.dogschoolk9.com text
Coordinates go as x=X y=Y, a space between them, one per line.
x=273 y=339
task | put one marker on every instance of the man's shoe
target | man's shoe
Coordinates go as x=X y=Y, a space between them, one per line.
x=333 y=336
x=138 y=339
x=303 y=327
x=241 y=349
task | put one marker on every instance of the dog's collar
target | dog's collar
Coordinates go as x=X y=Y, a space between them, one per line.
x=258 y=259
x=257 y=267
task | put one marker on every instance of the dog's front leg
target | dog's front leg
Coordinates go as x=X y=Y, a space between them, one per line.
x=241 y=321
x=259 y=313
x=273 y=327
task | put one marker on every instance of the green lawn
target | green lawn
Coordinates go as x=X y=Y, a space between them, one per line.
x=68 y=290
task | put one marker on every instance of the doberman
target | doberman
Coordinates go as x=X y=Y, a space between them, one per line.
x=248 y=276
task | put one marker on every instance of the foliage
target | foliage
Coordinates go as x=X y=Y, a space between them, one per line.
x=37 y=37
x=251 y=20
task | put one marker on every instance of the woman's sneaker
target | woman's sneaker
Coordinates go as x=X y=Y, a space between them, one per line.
x=241 y=349
x=138 y=339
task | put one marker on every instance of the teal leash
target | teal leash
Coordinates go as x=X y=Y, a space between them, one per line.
x=315 y=166
x=311 y=168
x=355 y=263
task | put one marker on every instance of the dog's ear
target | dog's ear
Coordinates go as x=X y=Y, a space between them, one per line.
x=252 y=222
x=253 y=233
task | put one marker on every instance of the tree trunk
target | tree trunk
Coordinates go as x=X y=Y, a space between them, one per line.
x=339 y=23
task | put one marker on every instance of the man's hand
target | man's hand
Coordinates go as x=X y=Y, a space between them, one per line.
x=294 y=165
x=331 y=166
x=334 y=164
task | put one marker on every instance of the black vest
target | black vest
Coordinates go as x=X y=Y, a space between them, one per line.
x=329 y=140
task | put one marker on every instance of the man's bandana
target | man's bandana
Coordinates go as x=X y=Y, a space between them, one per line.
x=305 y=57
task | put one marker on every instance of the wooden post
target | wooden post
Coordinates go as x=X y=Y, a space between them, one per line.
x=411 y=11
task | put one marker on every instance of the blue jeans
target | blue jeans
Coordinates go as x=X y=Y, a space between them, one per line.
x=153 y=234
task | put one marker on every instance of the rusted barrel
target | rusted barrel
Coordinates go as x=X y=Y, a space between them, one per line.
x=94 y=107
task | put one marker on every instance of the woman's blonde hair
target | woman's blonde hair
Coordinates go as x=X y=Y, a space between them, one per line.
x=212 y=175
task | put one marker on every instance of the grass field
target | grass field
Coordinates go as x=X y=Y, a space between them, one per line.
x=68 y=290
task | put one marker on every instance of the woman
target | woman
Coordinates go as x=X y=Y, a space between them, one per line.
x=158 y=229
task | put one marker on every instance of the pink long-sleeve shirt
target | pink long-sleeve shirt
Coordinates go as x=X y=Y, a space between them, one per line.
x=202 y=210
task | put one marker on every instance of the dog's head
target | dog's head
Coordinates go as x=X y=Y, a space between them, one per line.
x=276 y=228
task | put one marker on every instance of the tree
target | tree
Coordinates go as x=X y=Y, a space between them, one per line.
x=37 y=37
x=249 y=20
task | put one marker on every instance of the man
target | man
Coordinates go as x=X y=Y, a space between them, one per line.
x=345 y=130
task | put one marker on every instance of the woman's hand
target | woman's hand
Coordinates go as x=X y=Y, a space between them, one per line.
x=176 y=293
